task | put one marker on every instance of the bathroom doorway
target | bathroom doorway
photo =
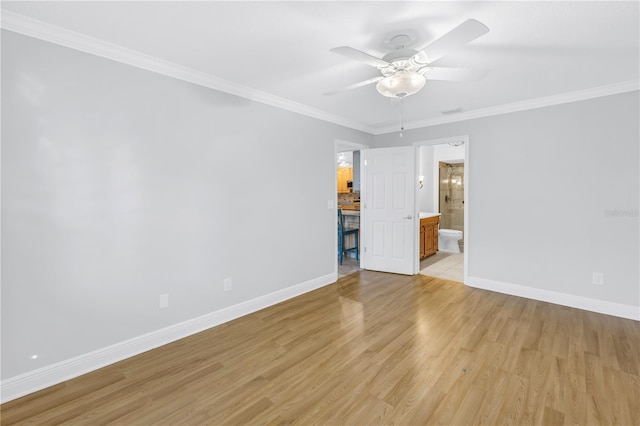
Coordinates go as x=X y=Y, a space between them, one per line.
x=443 y=190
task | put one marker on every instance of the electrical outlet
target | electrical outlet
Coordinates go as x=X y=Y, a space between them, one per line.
x=227 y=284
x=164 y=301
x=598 y=278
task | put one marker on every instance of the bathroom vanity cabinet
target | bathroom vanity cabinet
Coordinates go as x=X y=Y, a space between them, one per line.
x=428 y=236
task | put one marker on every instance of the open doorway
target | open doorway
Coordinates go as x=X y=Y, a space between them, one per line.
x=348 y=189
x=443 y=207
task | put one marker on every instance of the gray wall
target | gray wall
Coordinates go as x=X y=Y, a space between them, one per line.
x=119 y=185
x=356 y=170
x=553 y=196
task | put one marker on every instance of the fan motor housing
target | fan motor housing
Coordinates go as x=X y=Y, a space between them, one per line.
x=400 y=54
x=399 y=60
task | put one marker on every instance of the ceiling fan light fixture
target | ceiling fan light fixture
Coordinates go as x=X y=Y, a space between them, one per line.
x=401 y=84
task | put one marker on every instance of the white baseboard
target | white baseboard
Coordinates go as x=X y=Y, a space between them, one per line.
x=50 y=375
x=588 y=304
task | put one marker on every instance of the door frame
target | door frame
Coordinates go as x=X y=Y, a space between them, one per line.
x=467 y=204
x=341 y=145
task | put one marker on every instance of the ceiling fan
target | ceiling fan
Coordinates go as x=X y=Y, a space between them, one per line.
x=405 y=71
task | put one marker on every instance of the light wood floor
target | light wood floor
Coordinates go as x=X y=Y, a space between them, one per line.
x=373 y=348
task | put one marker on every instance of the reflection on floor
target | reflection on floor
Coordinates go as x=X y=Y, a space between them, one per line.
x=349 y=266
x=448 y=266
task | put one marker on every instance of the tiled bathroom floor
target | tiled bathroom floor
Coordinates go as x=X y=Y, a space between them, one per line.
x=449 y=266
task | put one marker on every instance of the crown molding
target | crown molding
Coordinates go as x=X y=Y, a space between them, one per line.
x=562 y=98
x=41 y=30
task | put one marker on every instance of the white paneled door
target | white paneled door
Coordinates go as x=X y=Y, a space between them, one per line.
x=389 y=209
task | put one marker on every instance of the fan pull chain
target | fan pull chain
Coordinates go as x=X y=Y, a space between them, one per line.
x=401 y=115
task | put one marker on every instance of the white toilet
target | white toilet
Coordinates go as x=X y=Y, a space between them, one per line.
x=448 y=240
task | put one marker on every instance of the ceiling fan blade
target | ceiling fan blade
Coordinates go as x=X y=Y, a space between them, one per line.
x=358 y=55
x=453 y=74
x=464 y=33
x=354 y=86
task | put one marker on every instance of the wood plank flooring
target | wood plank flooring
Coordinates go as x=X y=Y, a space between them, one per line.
x=373 y=348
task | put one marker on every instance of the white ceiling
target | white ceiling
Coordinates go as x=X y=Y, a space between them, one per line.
x=533 y=50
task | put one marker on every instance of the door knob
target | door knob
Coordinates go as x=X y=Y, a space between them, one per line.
x=408 y=217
